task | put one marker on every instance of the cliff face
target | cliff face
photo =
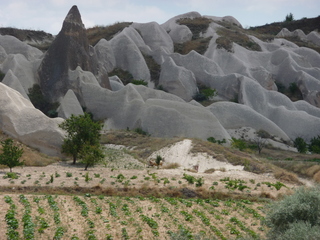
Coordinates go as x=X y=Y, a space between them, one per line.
x=69 y=50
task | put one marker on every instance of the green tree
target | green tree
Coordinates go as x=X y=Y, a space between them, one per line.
x=81 y=131
x=314 y=145
x=91 y=154
x=300 y=145
x=289 y=18
x=10 y=154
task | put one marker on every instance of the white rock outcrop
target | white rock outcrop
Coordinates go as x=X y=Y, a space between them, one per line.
x=69 y=105
x=178 y=80
x=20 y=120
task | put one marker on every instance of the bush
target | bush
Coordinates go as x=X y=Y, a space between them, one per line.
x=238 y=143
x=300 y=144
x=314 y=145
x=301 y=230
x=300 y=211
x=125 y=76
x=40 y=102
x=2 y=75
x=213 y=140
x=139 y=82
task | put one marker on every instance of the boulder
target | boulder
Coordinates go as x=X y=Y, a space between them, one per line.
x=127 y=108
x=116 y=83
x=20 y=120
x=178 y=80
x=280 y=110
x=154 y=35
x=3 y=54
x=314 y=37
x=12 y=81
x=133 y=34
x=105 y=55
x=128 y=57
x=180 y=34
x=200 y=65
x=76 y=77
x=13 y=45
x=21 y=68
x=69 y=105
x=233 y=116
x=69 y=50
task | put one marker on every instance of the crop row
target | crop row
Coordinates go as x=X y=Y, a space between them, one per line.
x=101 y=217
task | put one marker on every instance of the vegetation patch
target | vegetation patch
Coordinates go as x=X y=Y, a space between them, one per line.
x=229 y=36
x=96 y=33
x=124 y=75
x=199 y=45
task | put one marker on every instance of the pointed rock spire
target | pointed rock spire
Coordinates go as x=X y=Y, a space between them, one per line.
x=69 y=50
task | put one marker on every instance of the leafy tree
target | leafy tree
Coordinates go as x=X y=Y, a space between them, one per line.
x=314 y=145
x=91 y=154
x=81 y=131
x=300 y=144
x=10 y=154
x=289 y=18
x=238 y=143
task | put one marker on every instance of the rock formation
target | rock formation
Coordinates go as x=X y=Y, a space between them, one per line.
x=69 y=50
x=20 y=120
x=75 y=74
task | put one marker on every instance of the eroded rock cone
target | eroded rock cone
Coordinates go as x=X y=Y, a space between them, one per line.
x=69 y=50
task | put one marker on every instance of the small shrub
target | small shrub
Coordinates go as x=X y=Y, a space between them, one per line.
x=213 y=140
x=238 y=143
x=172 y=166
x=314 y=145
x=139 y=82
x=11 y=175
x=303 y=207
x=140 y=131
x=190 y=179
x=2 y=75
x=300 y=144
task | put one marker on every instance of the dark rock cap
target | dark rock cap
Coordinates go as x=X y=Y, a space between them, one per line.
x=69 y=50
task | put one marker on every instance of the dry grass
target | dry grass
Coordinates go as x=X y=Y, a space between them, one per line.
x=211 y=170
x=286 y=176
x=196 y=25
x=142 y=146
x=311 y=171
x=228 y=36
x=144 y=191
x=107 y=32
x=171 y=166
x=316 y=177
x=199 y=45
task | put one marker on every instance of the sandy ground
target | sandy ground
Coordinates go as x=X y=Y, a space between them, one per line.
x=126 y=171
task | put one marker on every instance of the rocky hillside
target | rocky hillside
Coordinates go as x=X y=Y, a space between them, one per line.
x=199 y=76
